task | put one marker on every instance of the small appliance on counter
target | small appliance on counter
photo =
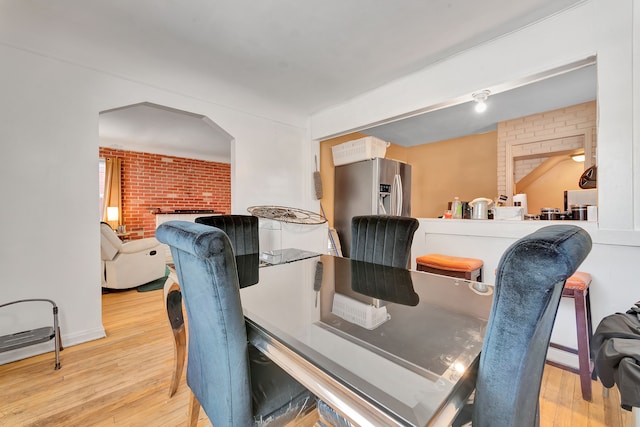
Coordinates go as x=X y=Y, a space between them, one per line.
x=549 y=214
x=575 y=213
x=521 y=200
x=480 y=208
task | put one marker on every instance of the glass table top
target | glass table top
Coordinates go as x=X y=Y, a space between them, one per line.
x=399 y=339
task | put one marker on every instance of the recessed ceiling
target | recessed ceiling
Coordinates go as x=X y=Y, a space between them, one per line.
x=560 y=91
x=157 y=129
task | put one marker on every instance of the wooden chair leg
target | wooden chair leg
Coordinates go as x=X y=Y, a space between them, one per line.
x=194 y=410
x=173 y=305
x=179 y=353
x=587 y=297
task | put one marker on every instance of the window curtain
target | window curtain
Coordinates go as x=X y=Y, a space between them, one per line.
x=112 y=187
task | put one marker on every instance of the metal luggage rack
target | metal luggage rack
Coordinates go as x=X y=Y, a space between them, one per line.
x=34 y=336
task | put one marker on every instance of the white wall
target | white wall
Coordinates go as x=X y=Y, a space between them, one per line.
x=49 y=220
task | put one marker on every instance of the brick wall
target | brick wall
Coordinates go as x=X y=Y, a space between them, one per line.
x=540 y=133
x=154 y=181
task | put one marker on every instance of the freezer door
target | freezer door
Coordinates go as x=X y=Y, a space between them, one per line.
x=404 y=172
x=394 y=192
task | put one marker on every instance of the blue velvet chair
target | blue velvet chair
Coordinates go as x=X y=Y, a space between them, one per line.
x=235 y=384
x=241 y=229
x=529 y=282
x=382 y=239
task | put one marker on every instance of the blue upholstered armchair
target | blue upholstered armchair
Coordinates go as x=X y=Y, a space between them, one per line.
x=235 y=384
x=382 y=239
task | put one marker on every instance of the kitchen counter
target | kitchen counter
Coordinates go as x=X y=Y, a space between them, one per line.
x=494 y=228
x=516 y=229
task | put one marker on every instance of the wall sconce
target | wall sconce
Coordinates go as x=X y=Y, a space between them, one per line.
x=113 y=216
x=578 y=158
x=480 y=98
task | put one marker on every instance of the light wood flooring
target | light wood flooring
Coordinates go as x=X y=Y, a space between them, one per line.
x=123 y=380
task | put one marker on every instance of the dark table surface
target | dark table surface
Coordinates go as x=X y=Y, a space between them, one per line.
x=396 y=342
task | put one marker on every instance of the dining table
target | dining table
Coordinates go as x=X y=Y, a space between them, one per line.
x=381 y=346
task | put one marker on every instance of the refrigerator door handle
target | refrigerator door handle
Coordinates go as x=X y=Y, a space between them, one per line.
x=397 y=196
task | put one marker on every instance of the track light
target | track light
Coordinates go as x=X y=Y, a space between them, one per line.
x=480 y=98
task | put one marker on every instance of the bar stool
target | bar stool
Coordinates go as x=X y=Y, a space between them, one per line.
x=577 y=287
x=453 y=266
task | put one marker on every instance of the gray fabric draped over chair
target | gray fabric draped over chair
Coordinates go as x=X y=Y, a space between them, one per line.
x=529 y=282
x=382 y=239
x=235 y=384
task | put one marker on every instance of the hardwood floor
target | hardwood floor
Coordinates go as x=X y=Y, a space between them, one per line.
x=123 y=380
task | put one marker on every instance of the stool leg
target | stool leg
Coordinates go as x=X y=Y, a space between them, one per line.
x=590 y=328
x=584 y=353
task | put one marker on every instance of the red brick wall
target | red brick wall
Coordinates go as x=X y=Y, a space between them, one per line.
x=153 y=181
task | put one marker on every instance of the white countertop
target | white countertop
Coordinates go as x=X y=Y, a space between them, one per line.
x=517 y=229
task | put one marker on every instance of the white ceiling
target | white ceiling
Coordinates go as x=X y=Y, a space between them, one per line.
x=301 y=55
x=563 y=90
x=157 y=129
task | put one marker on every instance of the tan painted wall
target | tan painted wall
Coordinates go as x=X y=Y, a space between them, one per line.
x=548 y=190
x=463 y=167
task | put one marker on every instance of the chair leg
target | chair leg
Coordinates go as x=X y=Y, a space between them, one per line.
x=194 y=410
x=173 y=305
x=180 y=346
x=584 y=353
x=587 y=296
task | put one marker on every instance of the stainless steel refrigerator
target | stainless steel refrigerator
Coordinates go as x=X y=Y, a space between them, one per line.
x=369 y=187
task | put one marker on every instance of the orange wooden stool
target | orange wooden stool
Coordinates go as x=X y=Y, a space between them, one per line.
x=577 y=287
x=446 y=265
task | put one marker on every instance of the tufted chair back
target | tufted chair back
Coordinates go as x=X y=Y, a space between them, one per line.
x=529 y=282
x=241 y=229
x=382 y=239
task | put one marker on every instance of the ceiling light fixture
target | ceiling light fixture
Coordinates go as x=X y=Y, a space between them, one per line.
x=480 y=98
x=578 y=158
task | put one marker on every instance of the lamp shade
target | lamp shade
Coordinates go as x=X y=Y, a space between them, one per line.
x=112 y=213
